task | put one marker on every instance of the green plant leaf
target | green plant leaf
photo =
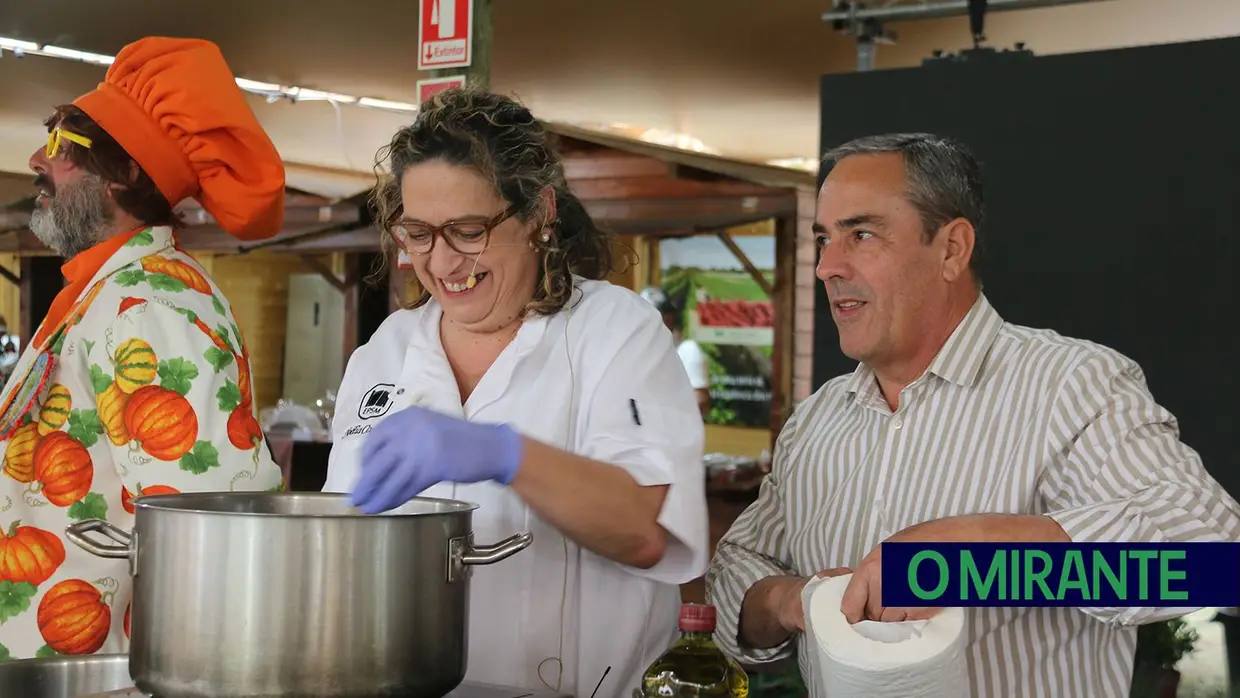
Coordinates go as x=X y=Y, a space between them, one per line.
x=218 y=358
x=15 y=598
x=177 y=375
x=100 y=379
x=222 y=331
x=202 y=458
x=92 y=506
x=163 y=282
x=131 y=277
x=228 y=396
x=143 y=238
x=85 y=427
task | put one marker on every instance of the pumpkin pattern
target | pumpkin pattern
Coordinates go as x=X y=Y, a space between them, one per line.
x=55 y=409
x=162 y=422
x=146 y=399
x=178 y=270
x=127 y=496
x=111 y=407
x=74 y=618
x=136 y=365
x=19 y=453
x=29 y=554
x=62 y=465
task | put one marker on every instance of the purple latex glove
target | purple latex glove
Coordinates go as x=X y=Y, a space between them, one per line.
x=416 y=448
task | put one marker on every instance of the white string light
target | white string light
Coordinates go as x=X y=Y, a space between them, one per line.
x=274 y=92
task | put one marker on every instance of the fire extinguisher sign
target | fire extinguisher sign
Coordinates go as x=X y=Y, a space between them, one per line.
x=445 y=34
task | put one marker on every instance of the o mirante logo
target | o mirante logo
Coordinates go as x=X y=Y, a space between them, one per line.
x=1061 y=574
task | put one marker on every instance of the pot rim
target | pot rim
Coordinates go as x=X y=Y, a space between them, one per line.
x=168 y=503
x=74 y=660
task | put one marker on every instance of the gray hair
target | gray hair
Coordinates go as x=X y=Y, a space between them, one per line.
x=944 y=179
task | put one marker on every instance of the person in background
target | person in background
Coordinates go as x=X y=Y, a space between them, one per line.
x=8 y=359
x=137 y=380
x=695 y=361
x=519 y=379
x=8 y=352
x=956 y=426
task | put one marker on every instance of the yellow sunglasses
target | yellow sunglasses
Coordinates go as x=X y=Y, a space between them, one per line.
x=57 y=136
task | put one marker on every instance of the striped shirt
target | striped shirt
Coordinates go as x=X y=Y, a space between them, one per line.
x=1006 y=419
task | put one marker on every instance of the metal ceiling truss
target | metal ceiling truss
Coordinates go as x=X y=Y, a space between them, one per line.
x=864 y=20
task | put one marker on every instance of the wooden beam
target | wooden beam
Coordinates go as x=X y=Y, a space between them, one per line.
x=700 y=214
x=286 y=241
x=291 y=200
x=23 y=242
x=744 y=170
x=209 y=238
x=612 y=164
x=11 y=277
x=365 y=240
x=758 y=277
x=324 y=271
x=294 y=215
x=664 y=188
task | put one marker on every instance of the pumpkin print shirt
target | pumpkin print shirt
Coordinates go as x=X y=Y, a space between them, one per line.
x=149 y=393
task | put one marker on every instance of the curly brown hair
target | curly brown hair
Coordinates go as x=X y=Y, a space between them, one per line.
x=499 y=138
x=139 y=197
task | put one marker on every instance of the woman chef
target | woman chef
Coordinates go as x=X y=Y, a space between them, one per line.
x=519 y=379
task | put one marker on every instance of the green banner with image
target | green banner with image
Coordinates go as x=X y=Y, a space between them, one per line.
x=732 y=320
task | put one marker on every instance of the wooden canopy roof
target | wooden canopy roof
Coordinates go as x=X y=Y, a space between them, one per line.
x=629 y=186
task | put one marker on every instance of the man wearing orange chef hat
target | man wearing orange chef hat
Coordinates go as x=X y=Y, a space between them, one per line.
x=137 y=381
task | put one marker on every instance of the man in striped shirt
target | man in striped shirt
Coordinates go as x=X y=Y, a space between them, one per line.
x=955 y=426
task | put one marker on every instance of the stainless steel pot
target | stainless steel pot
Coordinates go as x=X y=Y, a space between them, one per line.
x=64 y=677
x=275 y=594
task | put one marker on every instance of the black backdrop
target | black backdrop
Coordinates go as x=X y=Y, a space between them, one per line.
x=1113 y=199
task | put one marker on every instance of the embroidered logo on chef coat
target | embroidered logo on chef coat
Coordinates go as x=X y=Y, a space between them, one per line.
x=376 y=402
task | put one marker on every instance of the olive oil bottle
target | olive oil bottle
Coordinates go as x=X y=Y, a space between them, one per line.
x=694 y=665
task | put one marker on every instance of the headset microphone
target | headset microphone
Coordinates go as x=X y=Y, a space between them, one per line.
x=473 y=278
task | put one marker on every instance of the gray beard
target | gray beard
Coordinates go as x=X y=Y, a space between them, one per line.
x=76 y=218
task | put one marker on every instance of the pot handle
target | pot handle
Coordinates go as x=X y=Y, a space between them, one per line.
x=77 y=533
x=463 y=553
x=490 y=554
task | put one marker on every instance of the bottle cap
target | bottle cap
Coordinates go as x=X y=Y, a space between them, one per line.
x=697 y=618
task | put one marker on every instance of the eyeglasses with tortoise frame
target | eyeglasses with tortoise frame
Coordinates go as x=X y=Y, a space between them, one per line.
x=466 y=236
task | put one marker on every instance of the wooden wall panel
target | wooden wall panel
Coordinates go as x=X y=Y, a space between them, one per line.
x=11 y=294
x=256 y=285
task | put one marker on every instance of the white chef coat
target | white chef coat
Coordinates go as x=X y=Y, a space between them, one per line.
x=566 y=380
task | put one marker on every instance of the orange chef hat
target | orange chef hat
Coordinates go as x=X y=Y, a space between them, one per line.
x=175 y=107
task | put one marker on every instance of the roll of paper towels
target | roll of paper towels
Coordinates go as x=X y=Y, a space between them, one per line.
x=870 y=659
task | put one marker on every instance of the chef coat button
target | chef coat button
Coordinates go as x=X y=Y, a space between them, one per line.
x=400 y=392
